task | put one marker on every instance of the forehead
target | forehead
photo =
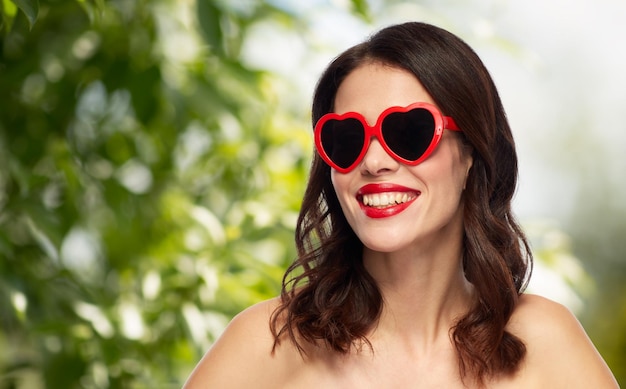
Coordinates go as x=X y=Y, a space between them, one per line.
x=371 y=88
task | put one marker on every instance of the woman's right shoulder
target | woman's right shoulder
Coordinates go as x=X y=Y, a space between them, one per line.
x=253 y=321
x=243 y=355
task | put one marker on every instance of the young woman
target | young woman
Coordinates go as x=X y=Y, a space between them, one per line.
x=411 y=265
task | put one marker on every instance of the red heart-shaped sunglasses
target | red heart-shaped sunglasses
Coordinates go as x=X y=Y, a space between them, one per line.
x=409 y=134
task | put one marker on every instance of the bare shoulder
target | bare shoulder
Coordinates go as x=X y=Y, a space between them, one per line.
x=559 y=352
x=242 y=357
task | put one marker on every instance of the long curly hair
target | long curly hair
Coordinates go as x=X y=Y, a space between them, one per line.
x=329 y=298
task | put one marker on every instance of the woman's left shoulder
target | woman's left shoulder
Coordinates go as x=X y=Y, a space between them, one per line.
x=538 y=318
x=531 y=307
x=558 y=347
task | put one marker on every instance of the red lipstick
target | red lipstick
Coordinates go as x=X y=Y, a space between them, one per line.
x=376 y=208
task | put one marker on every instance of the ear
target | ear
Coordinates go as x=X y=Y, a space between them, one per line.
x=468 y=152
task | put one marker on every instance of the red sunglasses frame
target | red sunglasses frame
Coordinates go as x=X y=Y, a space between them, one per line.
x=441 y=122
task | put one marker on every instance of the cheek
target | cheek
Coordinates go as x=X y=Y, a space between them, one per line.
x=333 y=180
x=348 y=204
x=460 y=165
x=340 y=184
x=447 y=180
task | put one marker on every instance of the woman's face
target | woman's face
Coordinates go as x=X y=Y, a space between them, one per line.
x=392 y=206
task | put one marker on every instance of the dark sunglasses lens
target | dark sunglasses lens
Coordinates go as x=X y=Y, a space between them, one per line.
x=343 y=140
x=408 y=134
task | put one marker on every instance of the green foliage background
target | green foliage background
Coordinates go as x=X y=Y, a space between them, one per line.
x=140 y=204
x=148 y=190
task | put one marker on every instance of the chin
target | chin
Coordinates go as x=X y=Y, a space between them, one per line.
x=384 y=244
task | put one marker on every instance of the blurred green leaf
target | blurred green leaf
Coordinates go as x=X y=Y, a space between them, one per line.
x=8 y=11
x=30 y=9
x=210 y=19
x=361 y=8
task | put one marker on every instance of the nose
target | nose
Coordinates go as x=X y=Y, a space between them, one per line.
x=377 y=161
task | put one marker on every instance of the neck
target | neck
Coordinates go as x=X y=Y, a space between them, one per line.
x=424 y=293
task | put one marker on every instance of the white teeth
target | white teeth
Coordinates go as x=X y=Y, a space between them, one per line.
x=386 y=199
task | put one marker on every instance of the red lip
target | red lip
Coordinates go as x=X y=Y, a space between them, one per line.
x=384 y=187
x=378 y=213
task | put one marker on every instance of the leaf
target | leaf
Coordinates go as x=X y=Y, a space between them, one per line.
x=30 y=9
x=209 y=17
x=361 y=9
x=8 y=10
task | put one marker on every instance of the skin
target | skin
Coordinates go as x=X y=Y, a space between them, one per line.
x=415 y=256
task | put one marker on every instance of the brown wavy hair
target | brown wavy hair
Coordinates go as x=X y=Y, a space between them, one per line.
x=328 y=297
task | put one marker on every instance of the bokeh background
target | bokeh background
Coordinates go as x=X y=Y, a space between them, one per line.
x=153 y=155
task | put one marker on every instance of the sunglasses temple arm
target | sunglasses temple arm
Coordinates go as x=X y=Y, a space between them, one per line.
x=450 y=124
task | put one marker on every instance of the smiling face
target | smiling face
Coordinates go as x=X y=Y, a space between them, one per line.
x=392 y=206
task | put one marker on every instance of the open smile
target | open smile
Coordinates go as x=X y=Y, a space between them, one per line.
x=385 y=200
x=381 y=200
